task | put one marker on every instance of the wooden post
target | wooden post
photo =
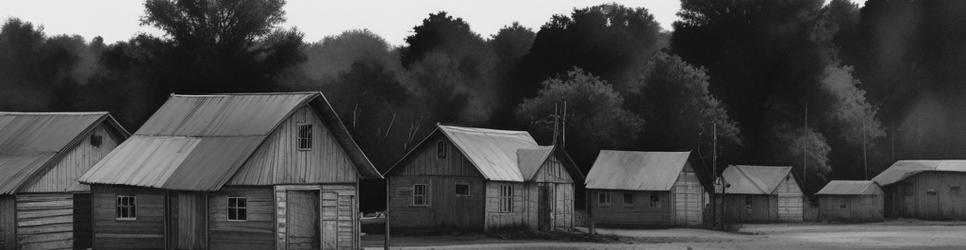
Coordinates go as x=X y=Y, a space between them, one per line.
x=386 y=214
x=592 y=228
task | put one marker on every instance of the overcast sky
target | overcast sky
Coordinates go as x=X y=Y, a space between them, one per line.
x=117 y=20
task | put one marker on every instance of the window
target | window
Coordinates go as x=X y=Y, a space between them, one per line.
x=506 y=198
x=842 y=204
x=305 y=137
x=420 y=192
x=462 y=189
x=628 y=199
x=603 y=199
x=655 y=201
x=126 y=207
x=441 y=150
x=96 y=140
x=747 y=202
x=931 y=191
x=237 y=208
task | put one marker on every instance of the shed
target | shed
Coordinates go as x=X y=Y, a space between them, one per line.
x=762 y=194
x=478 y=179
x=232 y=171
x=925 y=189
x=645 y=189
x=42 y=205
x=850 y=201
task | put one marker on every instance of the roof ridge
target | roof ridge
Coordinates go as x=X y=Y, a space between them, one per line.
x=246 y=94
x=54 y=113
x=484 y=130
x=752 y=180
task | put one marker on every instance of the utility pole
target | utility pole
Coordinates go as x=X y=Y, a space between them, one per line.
x=865 y=158
x=805 y=150
x=563 y=127
x=716 y=223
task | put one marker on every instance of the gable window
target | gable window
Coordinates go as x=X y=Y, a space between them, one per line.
x=96 y=140
x=420 y=192
x=126 y=207
x=747 y=202
x=655 y=201
x=842 y=204
x=237 y=208
x=628 y=199
x=441 y=150
x=603 y=199
x=462 y=189
x=304 y=137
x=506 y=198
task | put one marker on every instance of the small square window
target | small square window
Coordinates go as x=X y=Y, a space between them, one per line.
x=420 y=195
x=842 y=204
x=96 y=140
x=628 y=199
x=304 y=137
x=126 y=207
x=603 y=199
x=441 y=150
x=237 y=208
x=462 y=189
x=655 y=201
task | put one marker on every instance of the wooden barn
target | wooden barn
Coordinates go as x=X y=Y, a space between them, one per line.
x=855 y=201
x=761 y=194
x=925 y=189
x=476 y=179
x=42 y=205
x=645 y=189
x=232 y=171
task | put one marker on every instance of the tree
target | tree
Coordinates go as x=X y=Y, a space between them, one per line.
x=509 y=45
x=334 y=55
x=595 y=118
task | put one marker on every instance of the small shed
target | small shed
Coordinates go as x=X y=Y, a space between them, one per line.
x=645 y=189
x=42 y=205
x=232 y=171
x=850 y=201
x=761 y=194
x=925 y=189
x=478 y=179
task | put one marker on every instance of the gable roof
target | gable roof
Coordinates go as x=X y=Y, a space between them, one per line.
x=905 y=168
x=746 y=179
x=499 y=155
x=31 y=142
x=849 y=188
x=636 y=170
x=198 y=142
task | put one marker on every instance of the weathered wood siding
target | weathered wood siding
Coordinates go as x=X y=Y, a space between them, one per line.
x=555 y=208
x=688 y=196
x=851 y=207
x=279 y=161
x=928 y=195
x=424 y=161
x=63 y=176
x=763 y=208
x=45 y=221
x=638 y=213
x=446 y=210
x=145 y=232
x=524 y=206
x=338 y=218
x=186 y=220
x=553 y=171
x=258 y=232
x=8 y=222
x=790 y=201
x=302 y=216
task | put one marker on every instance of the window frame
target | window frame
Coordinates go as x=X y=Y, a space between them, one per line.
x=628 y=199
x=130 y=207
x=424 y=196
x=442 y=150
x=96 y=140
x=843 y=204
x=303 y=141
x=506 y=198
x=603 y=199
x=654 y=201
x=237 y=208
x=456 y=189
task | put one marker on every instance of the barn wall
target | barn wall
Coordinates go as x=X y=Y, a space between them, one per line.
x=553 y=171
x=639 y=213
x=340 y=217
x=763 y=209
x=563 y=204
x=688 y=199
x=258 y=232
x=83 y=227
x=45 y=221
x=278 y=160
x=929 y=195
x=553 y=177
x=146 y=232
x=424 y=161
x=857 y=207
x=185 y=220
x=790 y=200
x=63 y=176
x=8 y=222
x=524 y=209
x=446 y=211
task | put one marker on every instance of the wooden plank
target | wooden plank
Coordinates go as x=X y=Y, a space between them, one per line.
x=302 y=218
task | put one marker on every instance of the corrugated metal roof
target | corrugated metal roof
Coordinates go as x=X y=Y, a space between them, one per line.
x=492 y=151
x=530 y=160
x=197 y=142
x=636 y=170
x=849 y=188
x=906 y=168
x=28 y=141
x=754 y=179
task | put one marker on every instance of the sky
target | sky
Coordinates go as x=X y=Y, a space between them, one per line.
x=118 y=20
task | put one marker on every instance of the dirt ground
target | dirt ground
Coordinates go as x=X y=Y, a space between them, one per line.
x=897 y=234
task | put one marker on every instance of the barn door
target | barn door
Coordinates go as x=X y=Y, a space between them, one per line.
x=186 y=220
x=544 y=217
x=8 y=208
x=302 y=226
x=338 y=220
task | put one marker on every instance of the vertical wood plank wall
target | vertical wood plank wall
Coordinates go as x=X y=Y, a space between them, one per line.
x=764 y=208
x=561 y=203
x=446 y=211
x=8 y=222
x=186 y=220
x=858 y=208
x=688 y=196
x=337 y=219
x=639 y=213
x=524 y=209
x=63 y=176
x=278 y=160
x=45 y=221
x=790 y=201
x=258 y=232
x=83 y=223
x=929 y=195
x=146 y=232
